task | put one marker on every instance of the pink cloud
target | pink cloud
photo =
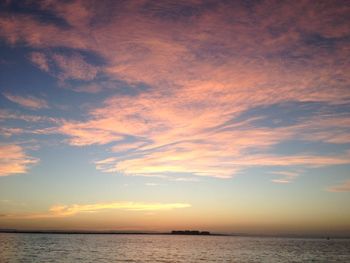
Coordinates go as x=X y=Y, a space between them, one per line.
x=343 y=187
x=82 y=134
x=38 y=34
x=40 y=60
x=216 y=163
x=76 y=13
x=327 y=128
x=71 y=66
x=179 y=133
x=13 y=160
x=28 y=101
x=74 y=67
x=203 y=72
x=177 y=136
x=89 y=88
x=180 y=54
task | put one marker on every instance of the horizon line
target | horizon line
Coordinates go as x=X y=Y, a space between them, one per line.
x=150 y=232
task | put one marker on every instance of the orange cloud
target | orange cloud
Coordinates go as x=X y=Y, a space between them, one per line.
x=28 y=102
x=13 y=160
x=71 y=210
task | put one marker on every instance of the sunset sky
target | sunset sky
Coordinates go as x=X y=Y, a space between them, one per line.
x=228 y=116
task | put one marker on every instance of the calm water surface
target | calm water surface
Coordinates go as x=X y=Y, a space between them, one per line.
x=163 y=248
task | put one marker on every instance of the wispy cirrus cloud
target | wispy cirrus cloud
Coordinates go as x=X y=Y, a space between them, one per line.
x=8 y=132
x=58 y=211
x=13 y=160
x=285 y=177
x=217 y=163
x=203 y=70
x=171 y=136
x=343 y=187
x=65 y=66
x=13 y=115
x=27 y=101
x=81 y=134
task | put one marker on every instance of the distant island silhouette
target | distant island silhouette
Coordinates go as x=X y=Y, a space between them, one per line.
x=190 y=232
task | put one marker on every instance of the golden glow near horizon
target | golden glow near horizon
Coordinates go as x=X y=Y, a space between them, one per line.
x=230 y=116
x=71 y=210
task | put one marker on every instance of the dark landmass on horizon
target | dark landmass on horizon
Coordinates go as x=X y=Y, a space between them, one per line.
x=196 y=233
x=113 y=232
x=190 y=232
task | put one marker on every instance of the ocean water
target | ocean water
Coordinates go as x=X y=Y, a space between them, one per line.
x=166 y=248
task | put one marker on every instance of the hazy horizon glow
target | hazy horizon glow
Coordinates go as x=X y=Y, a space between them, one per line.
x=153 y=115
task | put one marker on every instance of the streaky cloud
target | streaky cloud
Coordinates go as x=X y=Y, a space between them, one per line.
x=343 y=187
x=204 y=70
x=58 y=211
x=27 y=101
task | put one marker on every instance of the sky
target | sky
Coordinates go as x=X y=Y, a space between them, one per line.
x=227 y=116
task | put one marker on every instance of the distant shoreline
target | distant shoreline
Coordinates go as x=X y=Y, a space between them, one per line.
x=76 y=232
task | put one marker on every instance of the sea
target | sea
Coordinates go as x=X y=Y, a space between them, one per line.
x=26 y=247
